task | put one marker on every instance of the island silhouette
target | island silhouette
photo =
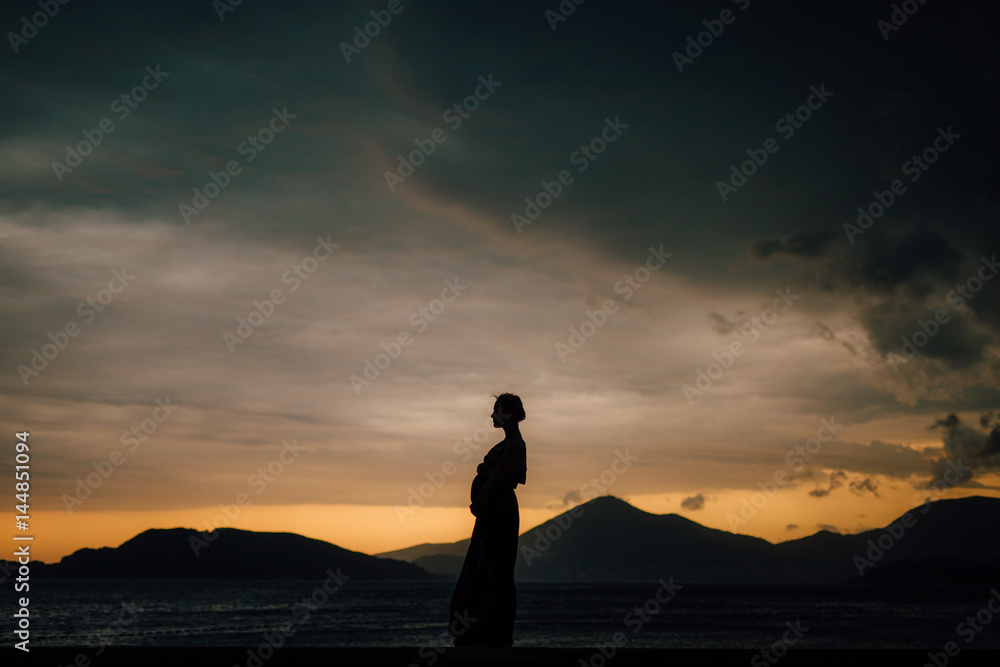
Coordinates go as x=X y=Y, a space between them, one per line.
x=605 y=540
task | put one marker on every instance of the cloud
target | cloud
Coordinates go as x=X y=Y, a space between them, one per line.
x=720 y=324
x=694 y=502
x=876 y=458
x=992 y=447
x=803 y=244
x=323 y=175
x=896 y=278
x=958 y=341
x=886 y=263
x=792 y=526
x=836 y=480
x=825 y=332
x=857 y=486
x=868 y=485
x=965 y=451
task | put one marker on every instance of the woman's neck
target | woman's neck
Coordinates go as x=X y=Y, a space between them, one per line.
x=512 y=431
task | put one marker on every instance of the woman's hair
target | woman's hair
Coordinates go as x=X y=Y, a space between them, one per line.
x=510 y=404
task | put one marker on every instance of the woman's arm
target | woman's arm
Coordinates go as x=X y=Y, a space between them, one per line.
x=508 y=469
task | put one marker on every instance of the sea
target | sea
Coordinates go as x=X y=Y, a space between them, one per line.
x=94 y=613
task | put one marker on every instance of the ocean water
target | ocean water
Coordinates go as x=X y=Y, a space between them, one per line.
x=201 y=613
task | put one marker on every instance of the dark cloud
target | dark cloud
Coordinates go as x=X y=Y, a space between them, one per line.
x=693 y=502
x=986 y=302
x=992 y=443
x=324 y=174
x=885 y=263
x=892 y=326
x=950 y=422
x=720 y=324
x=891 y=275
x=967 y=450
x=835 y=481
x=880 y=263
x=876 y=459
x=825 y=332
x=866 y=485
x=804 y=244
x=792 y=526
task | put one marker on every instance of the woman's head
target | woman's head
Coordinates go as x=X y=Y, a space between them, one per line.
x=507 y=408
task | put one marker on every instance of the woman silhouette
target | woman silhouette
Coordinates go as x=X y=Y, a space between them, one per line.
x=484 y=601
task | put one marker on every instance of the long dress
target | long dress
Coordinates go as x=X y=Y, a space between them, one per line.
x=485 y=601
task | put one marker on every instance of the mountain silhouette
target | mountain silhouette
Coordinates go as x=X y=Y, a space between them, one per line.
x=428 y=549
x=233 y=554
x=609 y=540
x=603 y=540
x=951 y=530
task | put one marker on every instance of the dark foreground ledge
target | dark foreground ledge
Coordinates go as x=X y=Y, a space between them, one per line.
x=453 y=657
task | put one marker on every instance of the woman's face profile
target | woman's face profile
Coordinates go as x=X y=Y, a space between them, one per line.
x=498 y=417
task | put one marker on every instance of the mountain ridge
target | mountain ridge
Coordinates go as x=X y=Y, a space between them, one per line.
x=605 y=539
x=609 y=539
x=226 y=553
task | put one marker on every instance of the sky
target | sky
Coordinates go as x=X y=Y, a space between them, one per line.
x=266 y=266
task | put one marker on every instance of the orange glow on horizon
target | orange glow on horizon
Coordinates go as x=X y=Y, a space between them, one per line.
x=378 y=529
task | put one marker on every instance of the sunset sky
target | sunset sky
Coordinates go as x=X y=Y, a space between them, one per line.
x=486 y=198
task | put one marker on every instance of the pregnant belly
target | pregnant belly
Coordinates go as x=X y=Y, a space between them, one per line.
x=502 y=496
x=477 y=484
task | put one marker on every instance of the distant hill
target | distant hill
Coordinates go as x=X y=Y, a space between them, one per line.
x=411 y=554
x=961 y=529
x=233 y=554
x=609 y=540
x=441 y=559
x=604 y=540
